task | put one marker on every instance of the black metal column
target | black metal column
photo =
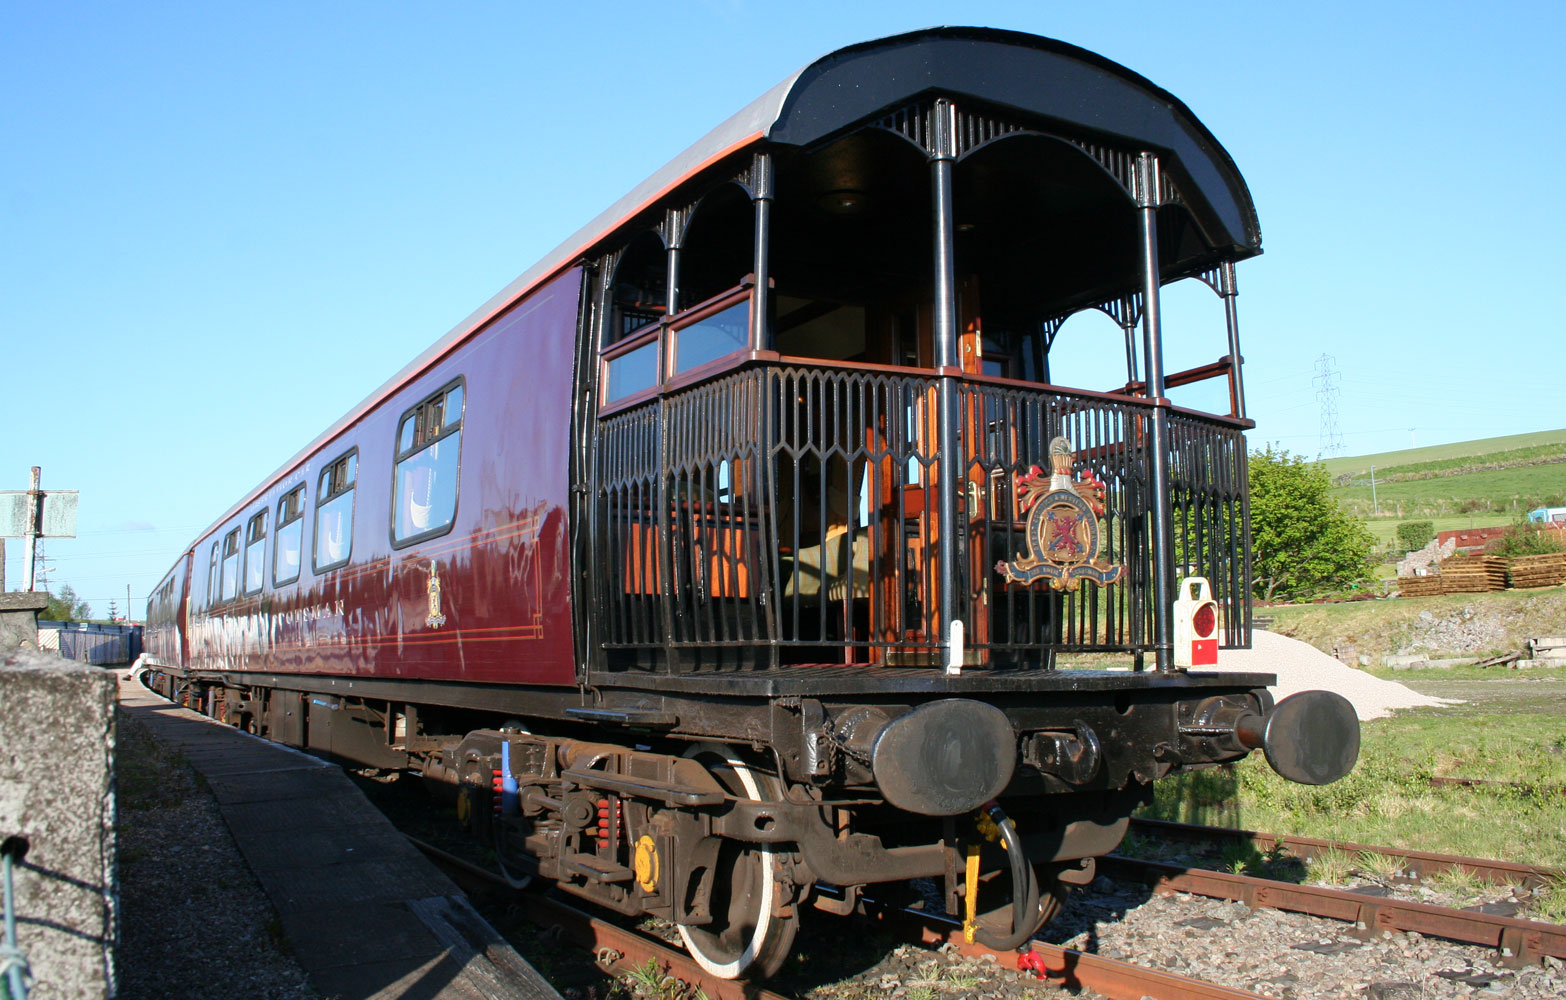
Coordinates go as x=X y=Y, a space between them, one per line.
x=943 y=135
x=1147 y=199
x=674 y=232
x=1229 y=290
x=761 y=299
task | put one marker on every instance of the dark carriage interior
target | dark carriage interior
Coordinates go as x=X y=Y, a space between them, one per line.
x=768 y=468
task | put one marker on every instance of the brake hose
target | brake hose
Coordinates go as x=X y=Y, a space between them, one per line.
x=1025 y=886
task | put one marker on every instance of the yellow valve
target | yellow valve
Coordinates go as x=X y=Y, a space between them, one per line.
x=970 y=921
x=988 y=828
x=646 y=864
x=991 y=831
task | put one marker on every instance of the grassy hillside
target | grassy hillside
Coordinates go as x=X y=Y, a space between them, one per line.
x=1458 y=624
x=1359 y=465
x=1497 y=490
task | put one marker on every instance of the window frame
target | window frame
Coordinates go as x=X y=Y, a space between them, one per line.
x=399 y=456
x=244 y=559
x=722 y=302
x=649 y=335
x=323 y=498
x=665 y=332
x=277 y=530
x=238 y=557
x=214 y=587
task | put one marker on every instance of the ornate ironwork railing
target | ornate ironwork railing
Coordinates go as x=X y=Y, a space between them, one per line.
x=781 y=515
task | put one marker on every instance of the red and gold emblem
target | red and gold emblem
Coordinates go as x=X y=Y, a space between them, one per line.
x=435 y=619
x=1062 y=529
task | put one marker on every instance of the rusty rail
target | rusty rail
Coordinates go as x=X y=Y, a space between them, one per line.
x=1071 y=969
x=1517 y=941
x=1421 y=863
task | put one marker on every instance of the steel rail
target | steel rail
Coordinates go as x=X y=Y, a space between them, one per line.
x=1077 y=970
x=1424 y=864
x=1517 y=941
x=617 y=951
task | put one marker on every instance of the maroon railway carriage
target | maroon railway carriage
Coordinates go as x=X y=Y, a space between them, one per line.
x=713 y=559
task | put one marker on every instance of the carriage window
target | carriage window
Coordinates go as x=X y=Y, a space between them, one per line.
x=334 y=513
x=290 y=532
x=230 y=566
x=255 y=551
x=429 y=443
x=712 y=337
x=212 y=577
x=631 y=373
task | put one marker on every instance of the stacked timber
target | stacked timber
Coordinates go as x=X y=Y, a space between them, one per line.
x=1473 y=574
x=1419 y=586
x=1539 y=571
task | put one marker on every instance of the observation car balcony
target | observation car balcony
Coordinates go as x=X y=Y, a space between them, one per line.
x=784 y=513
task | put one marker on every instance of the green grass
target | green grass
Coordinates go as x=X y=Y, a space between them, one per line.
x=1359 y=465
x=1536 y=455
x=1504 y=490
x=1509 y=730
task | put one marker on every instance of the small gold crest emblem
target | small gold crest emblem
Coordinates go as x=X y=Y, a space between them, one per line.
x=435 y=619
x=1062 y=529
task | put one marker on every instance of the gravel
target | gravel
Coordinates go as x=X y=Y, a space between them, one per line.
x=1302 y=667
x=195 y=923
x=1286 y=955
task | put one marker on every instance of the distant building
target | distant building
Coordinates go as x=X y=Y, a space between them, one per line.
x=1472 y=539
x=1466 y=540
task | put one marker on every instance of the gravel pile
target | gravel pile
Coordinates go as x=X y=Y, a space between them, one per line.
x=195 y=923
x=1302 y=667
x=1287 y=955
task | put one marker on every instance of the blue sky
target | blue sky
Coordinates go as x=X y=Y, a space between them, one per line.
x=222 y=225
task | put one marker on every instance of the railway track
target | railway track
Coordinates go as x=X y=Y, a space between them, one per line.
x=620 y=951
x=1516 y=941
x=1417 y=864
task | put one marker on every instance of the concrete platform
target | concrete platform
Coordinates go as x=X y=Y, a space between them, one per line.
x=367 y=916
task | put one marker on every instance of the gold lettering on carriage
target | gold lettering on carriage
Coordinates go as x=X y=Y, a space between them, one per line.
x=314 y=612
x=1062 y=530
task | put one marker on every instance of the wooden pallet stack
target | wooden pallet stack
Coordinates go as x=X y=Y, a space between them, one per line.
x=1419 y=586
x=1539 y=571
x=1473 y=574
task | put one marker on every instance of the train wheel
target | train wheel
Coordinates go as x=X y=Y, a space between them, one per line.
x=750 y=934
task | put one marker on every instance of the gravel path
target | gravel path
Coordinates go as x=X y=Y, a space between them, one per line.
x=1302 y=667
x=195 y=924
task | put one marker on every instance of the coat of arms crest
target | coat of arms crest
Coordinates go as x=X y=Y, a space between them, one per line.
x=1062 y=530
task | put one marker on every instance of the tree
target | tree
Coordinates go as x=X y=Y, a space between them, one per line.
x=1302 y=542
x=66 y=607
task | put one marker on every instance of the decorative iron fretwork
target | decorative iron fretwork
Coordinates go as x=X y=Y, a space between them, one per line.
x=672 y=228
x=787 y=515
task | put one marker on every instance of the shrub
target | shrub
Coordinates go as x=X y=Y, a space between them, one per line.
x=1412 y=535
x=1528 y=538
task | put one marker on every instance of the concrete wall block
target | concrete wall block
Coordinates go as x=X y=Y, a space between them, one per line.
x=57 y=790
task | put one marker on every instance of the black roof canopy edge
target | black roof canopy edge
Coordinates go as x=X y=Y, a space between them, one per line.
x=1084 y=93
